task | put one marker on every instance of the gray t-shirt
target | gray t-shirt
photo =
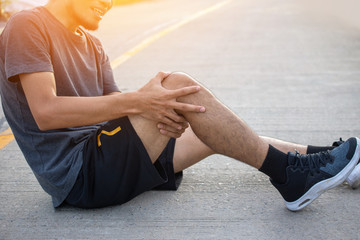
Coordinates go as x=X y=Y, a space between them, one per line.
x=35 y=41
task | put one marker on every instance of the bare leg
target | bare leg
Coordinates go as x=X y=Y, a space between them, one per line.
x=150 y=136
x=219 y=128
x=285 y=146
x=189 y=149
x=216 y=131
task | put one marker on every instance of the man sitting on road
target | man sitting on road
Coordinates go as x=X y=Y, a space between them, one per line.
x=89 y=145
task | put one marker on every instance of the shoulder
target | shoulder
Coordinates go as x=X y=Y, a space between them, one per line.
x=26 y=18
x=27 y=24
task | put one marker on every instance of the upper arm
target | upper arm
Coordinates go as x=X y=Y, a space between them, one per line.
x=24 y=46
x=40 y=90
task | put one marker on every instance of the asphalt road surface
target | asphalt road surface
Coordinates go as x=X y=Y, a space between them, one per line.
x=288 y=69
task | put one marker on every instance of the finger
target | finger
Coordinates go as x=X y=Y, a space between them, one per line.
x=183 y=91
x=162 y=75
x=174 y=116
x=187 y=107
x=170 y=134
x=171 y=129
x=185 y=125
x=176 y=125
x=170 y=123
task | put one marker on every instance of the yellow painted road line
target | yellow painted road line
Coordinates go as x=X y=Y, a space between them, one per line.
x=123 y=58
x=6 y=137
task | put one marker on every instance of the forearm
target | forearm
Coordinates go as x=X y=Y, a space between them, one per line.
x=63 y=112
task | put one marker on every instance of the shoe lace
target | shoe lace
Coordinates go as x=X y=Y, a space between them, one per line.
x=338 y=143
x=312 y=161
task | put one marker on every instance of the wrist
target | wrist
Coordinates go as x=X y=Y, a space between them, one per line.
x=130 y=103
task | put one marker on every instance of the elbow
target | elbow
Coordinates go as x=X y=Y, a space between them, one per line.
x=43 y=127
x=44 y=119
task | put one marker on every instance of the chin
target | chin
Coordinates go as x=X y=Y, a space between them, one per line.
x=90 y=26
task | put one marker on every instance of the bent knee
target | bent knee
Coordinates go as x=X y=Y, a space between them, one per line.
x=178 y=80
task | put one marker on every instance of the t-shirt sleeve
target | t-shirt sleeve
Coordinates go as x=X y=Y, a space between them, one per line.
x=108 y=76
x=26 y=47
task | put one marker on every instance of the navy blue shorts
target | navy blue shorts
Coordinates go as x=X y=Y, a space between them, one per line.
x=117 y=168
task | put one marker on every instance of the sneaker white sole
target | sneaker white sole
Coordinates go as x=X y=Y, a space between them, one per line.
x=319 y=188
x=354 y=178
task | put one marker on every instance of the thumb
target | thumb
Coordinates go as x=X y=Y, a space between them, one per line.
x=162 y=76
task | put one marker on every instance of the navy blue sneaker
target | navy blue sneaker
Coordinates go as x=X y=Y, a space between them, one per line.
x=338 y=143
x=354 y=178
x=310 y=175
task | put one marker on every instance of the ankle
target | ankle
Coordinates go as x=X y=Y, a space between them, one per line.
x=275 y=165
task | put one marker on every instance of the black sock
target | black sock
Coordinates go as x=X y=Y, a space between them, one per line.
x=275 y=165
x=316 y=149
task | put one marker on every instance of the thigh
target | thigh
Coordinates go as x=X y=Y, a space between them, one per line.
x=150 y=136
x=189 y=149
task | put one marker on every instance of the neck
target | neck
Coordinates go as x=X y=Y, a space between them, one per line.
x=61 y=13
